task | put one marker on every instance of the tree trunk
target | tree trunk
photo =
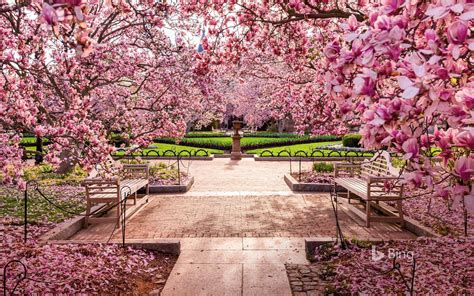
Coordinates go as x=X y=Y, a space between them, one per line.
x=66 y=164
x=39 y=150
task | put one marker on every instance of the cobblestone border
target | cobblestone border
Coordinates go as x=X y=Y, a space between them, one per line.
x=306 y=279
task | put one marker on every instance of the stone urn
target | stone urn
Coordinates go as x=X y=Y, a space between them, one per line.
x=236 y=154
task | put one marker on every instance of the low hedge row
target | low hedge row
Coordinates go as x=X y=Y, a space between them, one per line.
x=351 y=140
x=247 y=143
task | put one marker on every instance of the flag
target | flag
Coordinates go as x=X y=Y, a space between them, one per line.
x=200 y=48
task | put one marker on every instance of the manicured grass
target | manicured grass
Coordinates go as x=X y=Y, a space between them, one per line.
x=41 y=210
x=163 y=147
x=295 y=150
x=307 y=147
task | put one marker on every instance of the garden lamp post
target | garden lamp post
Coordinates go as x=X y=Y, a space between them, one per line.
x=236 y=154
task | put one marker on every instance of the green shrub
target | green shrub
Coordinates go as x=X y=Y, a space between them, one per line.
x=163 y=172
x=205 y=135
x=323 y=167
x=44 y=173
x=351 y=140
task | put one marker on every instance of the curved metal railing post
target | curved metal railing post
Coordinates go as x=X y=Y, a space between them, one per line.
x=34 y=184
x=125 y=192
x=20 y=277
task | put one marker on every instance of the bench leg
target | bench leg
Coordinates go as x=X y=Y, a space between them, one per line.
x=367 y=212
x=400 y=213
x=88 y=212
x=119 y=216
x=147 y=191
x=135 y=198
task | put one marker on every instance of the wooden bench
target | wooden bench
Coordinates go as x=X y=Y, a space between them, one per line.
x=368 y=181
x=112 y=192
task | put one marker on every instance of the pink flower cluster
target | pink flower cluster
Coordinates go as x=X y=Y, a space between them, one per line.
x=71 y=269
x=441 y=267
x=413 y=89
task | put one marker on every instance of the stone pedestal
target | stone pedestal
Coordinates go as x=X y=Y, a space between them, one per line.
x=236 y=154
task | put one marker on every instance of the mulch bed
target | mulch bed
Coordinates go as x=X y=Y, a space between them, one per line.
x=441 y=268
x=171 y=181
x=313 y=177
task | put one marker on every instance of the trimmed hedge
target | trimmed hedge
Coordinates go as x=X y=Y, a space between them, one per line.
x=351 y=140
x=204 y=135
x=273 y=135
x=247 y=143
x=323 y=167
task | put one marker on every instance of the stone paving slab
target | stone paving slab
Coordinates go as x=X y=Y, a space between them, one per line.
x=222 y=266
x=211 y=243
x=204 y=279
x=277 y=243
x=265 y=279
x=243 y=256
x=224 y=175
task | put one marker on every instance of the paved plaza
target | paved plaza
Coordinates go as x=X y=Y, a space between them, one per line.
x=241 y=199
x=238 y=226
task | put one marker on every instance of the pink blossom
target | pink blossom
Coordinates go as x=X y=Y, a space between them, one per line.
x=464 y=167
x=411 y=148
x=457 y=32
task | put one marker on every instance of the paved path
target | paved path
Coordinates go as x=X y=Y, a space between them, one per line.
x=238 y=226
x=234 y=266
x=247 y=176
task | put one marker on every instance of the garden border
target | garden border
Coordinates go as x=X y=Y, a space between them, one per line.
x=66 y=229
x=315 y=187
x=311 y=243
x=172 y=188
x=162 y=245
x=411 y=224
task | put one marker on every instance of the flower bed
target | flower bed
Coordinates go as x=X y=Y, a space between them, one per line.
x=70 y=269
x=441 y=267
x=313 y=177
x=162 y=174
x=83 y=268
x=436 y=212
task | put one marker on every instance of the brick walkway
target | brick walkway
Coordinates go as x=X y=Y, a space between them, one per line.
x=241 y=199
x=242 y=216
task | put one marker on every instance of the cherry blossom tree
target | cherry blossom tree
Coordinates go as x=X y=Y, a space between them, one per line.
x=403 y=69
x=136 y=84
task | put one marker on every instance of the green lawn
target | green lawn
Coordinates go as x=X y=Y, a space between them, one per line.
x=308 y=148
x=162 y=148
x=39 y=209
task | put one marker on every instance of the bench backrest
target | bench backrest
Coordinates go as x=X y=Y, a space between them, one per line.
x=102 y=188
x=135 y=171
x=378 y=166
